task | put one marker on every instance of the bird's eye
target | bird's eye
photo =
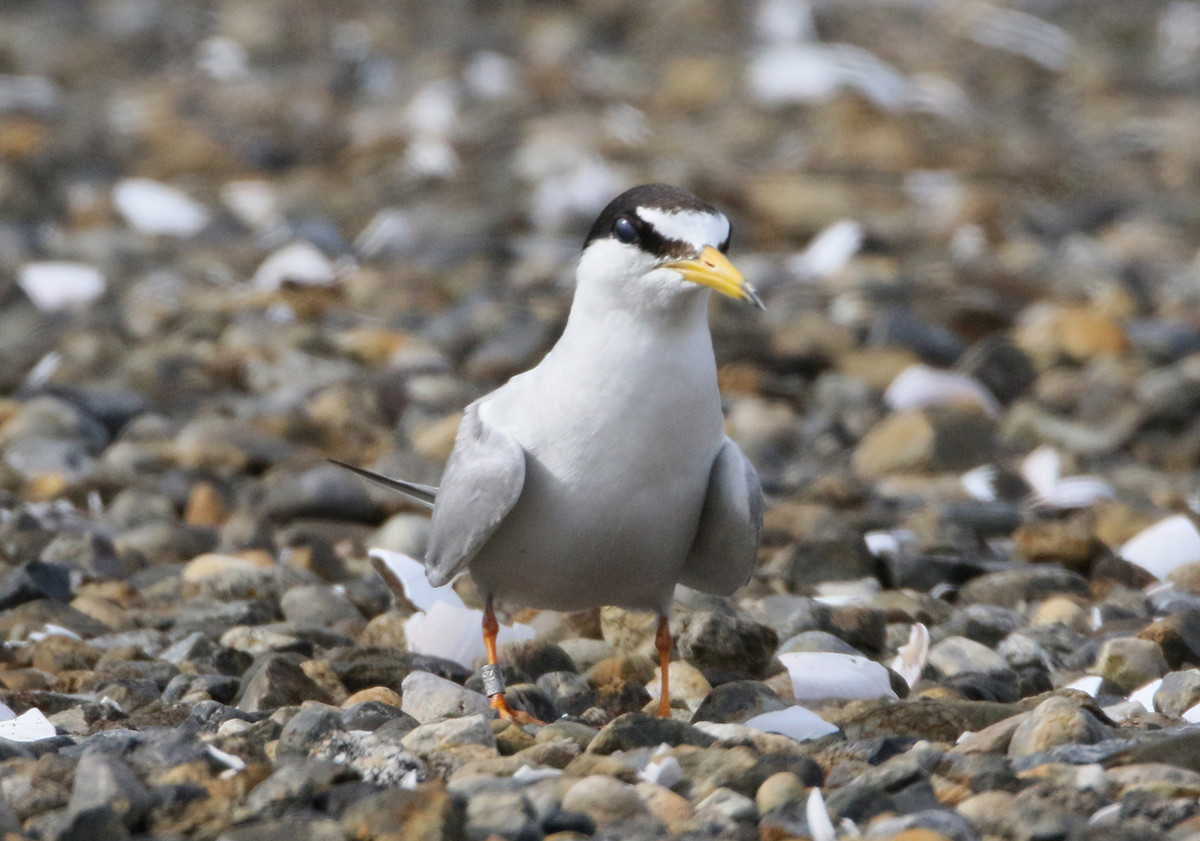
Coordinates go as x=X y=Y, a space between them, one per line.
x=625 y=230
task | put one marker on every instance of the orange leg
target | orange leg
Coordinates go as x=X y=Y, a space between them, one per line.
x=662 y=641
x=490 y=628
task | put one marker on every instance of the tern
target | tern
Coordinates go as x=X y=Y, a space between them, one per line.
x=603 y=476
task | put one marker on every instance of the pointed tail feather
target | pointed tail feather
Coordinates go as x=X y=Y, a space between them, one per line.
x=424 y=494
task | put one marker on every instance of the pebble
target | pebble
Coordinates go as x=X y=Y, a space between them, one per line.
x=429 y=698
x=603 y=799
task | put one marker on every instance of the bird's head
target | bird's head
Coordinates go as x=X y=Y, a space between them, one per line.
x=653 y=243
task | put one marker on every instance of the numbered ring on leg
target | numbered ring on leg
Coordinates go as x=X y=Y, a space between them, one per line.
x=493 y=680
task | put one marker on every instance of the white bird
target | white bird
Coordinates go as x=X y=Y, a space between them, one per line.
x=603 y=475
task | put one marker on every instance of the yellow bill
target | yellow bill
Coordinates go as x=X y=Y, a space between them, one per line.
x=713 y=269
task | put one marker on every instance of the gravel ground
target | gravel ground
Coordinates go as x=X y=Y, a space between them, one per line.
x=237 y=238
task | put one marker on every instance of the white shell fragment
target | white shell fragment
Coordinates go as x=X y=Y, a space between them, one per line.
x=1145 y=695
x=300 y=263
x=1042 y=469
x=29 y=726
x=56 y=286
x=526 y=774
x=1022 y=34
x=820 y=827
x=828 y=252
x=816 y=73
x=823 y=674
x=918 y=386
x=1088 y=683
x=665 y=772
x=911 y=658
x=1164 y=546
x=443 y=626
x=151 y=207
x=795 y=722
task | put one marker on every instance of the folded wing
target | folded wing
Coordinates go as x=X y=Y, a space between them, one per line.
x=723 y=553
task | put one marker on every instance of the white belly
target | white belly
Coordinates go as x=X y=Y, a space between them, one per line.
x=617 y=468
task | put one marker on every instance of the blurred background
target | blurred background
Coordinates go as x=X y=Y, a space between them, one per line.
x=238 y=236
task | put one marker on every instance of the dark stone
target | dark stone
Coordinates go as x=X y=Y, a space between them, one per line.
x=724 y=643
x=91 y=552
x=1000 y=365
x=430 y=813
x=275 y=680
x=926 y=718
x=737 y=701
x=362 y=668
x=292 y=785
x=306 y=728
x=103 y=781
x=570 y=693
x=638 y=730
x=529 y=698
x=536 y=658
x=35 y=580
x=1025 y=585
x=1178 y=636
x=370 y=715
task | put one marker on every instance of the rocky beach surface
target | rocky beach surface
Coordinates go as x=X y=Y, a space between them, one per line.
x=240 y=238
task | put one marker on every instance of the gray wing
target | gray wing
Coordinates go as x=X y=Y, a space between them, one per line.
x=482 y=482
x=723 y=553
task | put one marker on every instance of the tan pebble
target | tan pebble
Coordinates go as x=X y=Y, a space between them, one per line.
x=988 y=810
x=685 y=681
x=212 y=564
x=382 y=694
x=205 y=506
x=616 y=672
x=628 y=631
x=323 y=675
x=385 y=631
x=779 y=790
x=603 y=799
x=1062 y=610
x=781 y=685
x=259 y=557
x=670 y=808
x=1070 y=543
x=104 y=611
x=46 y=486
x=877 y=367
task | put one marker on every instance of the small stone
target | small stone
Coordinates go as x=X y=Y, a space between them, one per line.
x=1014 y=587
x=780 y=791
x=319 y=605
x=106 y=781
x=672 y=809
x=536 y=658
x=501 y=814
x=959 y=655
x=1129 y=662
x=1056 y=721
x=377 y=694
x=638 y=730
x=570 y=693
x=927 y=440
x=429 y=698
x=620 y=683
x=586 y=653
x=429 y=812
x=275 y=680
x=722 y=643
x=737 y=702
x=1179 y=692
x=306 y=728
x=1068 y=542
x=1177 y=637
x=604 y=800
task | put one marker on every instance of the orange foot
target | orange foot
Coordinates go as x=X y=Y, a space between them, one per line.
x=518 y=717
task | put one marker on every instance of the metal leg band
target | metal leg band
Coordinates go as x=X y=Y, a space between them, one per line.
x=493 y=680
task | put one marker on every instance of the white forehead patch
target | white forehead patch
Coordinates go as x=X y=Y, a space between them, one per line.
x=694 y=227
